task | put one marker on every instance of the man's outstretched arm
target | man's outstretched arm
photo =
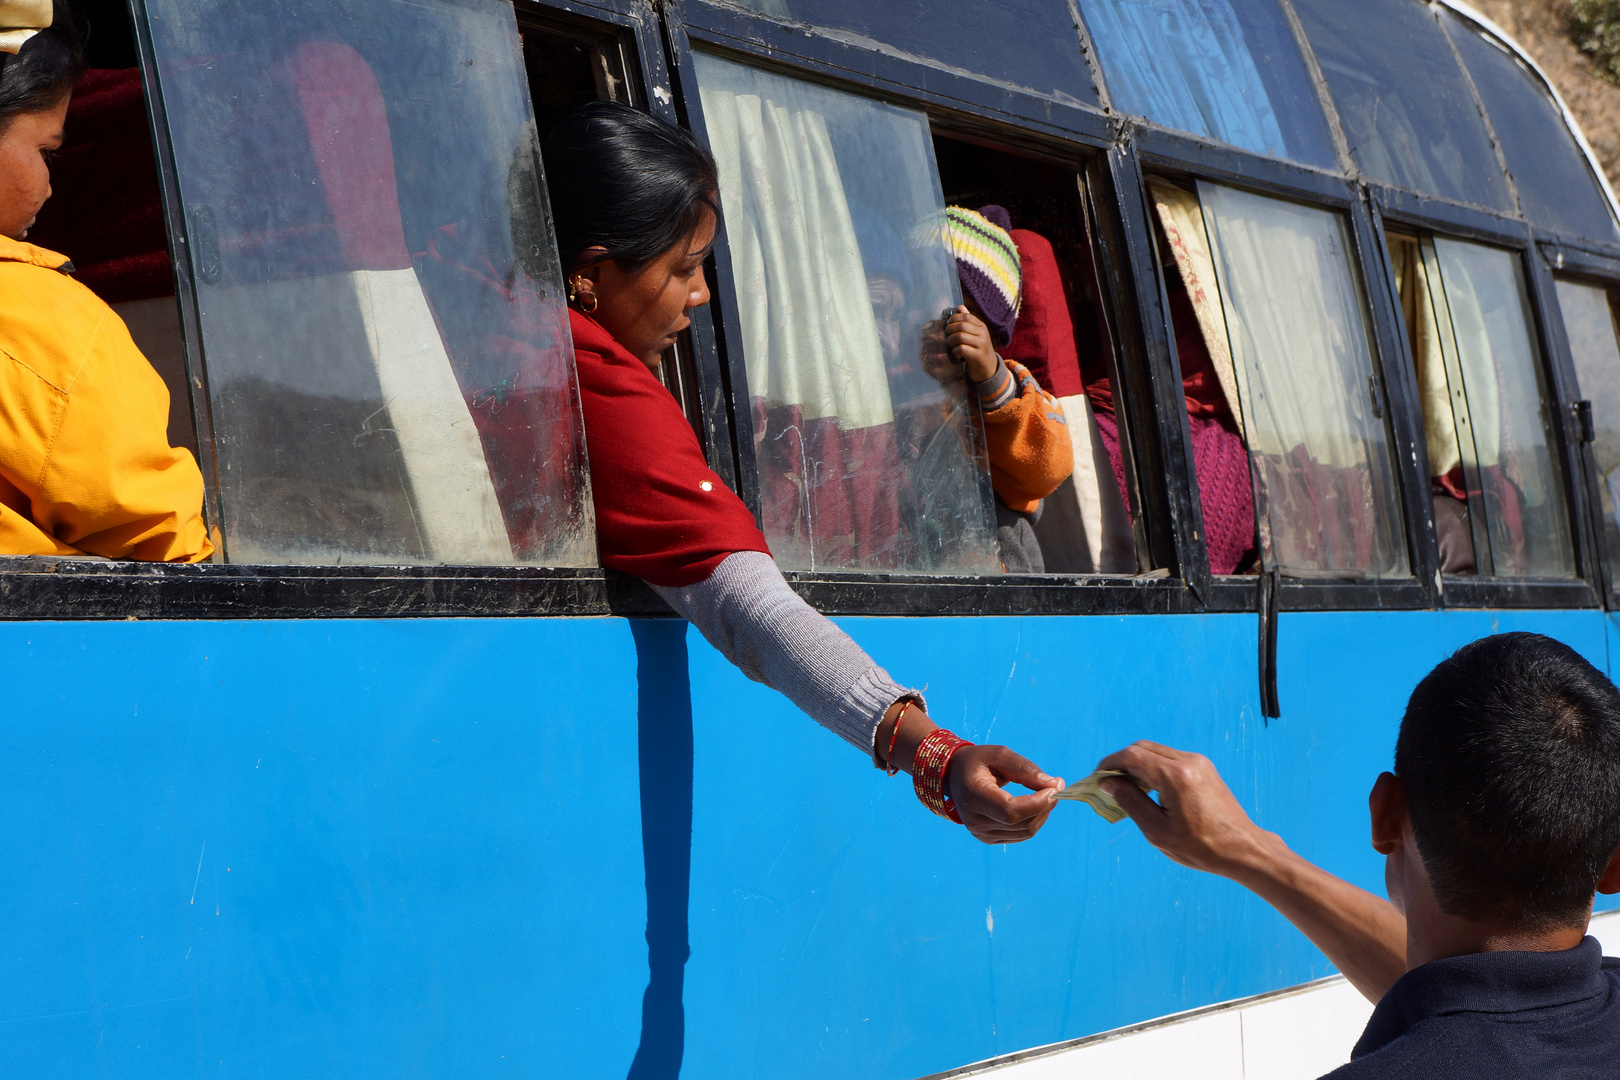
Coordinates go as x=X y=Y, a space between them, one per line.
x=1198 y=823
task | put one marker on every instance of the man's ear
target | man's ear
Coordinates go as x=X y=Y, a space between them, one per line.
x=1610 y=881
x=1388 y=806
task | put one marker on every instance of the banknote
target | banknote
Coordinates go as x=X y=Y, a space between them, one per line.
x=1089 y=792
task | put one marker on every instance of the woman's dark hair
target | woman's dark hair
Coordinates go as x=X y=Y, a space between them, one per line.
x=44 y=70
x=625 y=181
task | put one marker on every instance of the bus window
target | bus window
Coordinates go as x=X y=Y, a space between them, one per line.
x=1594 y=340
x=1406 y=108
x=1297 y=357
x=1061 y=335
x=568 y=69
x=1224 y=69
x=386 y=348
x=1486 y=419
x=1209 y=384
x=834 y=224
x=1557 y=188
x=1031 y=44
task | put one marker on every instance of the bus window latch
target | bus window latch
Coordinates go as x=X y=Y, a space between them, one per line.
x=1584 y=425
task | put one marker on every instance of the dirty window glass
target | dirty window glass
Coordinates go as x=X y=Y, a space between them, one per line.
x=1405 y=105
x=388 y=361
x=1223 y=69
x=1498 y=471
x=1031 y=44
x=1324 y=484
x=1557 y=188
x=1589 y=320
x=833 y=219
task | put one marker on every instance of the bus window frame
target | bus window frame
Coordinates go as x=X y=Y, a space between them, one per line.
x=1237 y=593
x=1113 y=150
x=806 y=48
x=1405 y=211
x=1552 y=261
x=855 y=592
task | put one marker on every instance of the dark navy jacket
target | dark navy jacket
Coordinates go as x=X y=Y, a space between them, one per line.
x=1497 y=1016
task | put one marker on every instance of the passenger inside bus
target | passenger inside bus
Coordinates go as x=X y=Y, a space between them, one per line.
x=1026 y=435
x=1061 y=336
x=86 y=465
x=633 y=201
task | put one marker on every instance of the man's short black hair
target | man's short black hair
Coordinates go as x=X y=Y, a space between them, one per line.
x=1510 y=753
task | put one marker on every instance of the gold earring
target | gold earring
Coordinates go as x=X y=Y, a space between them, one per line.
x=574 y=297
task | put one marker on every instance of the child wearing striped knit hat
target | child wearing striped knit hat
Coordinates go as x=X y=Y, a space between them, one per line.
x=1028 y=439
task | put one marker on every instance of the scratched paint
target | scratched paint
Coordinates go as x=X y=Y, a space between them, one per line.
x=413 y=847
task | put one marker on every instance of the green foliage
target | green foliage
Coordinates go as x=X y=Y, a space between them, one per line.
x=1595 y=27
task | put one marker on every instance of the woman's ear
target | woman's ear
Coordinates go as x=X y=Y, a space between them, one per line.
x=1388 y=806
x=590 y=263
x=1610 y=881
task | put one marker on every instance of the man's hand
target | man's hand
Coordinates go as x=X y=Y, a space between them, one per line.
x=1199 y=824
x=1196 y=821
x=975 y=783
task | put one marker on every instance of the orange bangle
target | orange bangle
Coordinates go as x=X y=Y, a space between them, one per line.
x=894 y=737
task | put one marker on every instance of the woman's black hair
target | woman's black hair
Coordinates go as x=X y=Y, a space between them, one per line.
x=44 y=70
x=625 y=181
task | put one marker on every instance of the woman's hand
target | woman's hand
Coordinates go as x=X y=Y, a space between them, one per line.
x=976 y=780
x=968 y=339
x=976 y=783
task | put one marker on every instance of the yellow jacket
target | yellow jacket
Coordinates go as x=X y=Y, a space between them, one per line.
x=85 y=462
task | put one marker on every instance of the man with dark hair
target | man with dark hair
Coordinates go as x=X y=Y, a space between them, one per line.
x=1499 y=823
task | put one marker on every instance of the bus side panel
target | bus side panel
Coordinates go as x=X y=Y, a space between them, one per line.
x=467 y=847
x=343 y=849
x=838 y=931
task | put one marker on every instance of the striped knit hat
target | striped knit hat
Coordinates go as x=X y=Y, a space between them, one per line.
x=987 y=261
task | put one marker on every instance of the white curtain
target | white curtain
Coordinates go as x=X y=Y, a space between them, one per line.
x=809 y=336
x=1296 y=326
x=1303 y=359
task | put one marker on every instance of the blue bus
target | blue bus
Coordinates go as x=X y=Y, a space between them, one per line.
x=404 y=784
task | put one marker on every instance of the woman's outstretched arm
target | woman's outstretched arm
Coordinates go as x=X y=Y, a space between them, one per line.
x=750 y=614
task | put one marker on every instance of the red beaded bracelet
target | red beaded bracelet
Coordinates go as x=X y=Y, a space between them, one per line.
x=934 y=755
x=894 y=737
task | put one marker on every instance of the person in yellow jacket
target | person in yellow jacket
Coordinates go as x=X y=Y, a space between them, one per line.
x=85 y=462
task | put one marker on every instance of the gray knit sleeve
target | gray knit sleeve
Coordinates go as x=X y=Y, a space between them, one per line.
x=750 y=613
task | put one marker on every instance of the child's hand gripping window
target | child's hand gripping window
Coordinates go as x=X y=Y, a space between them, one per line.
x=967 y=339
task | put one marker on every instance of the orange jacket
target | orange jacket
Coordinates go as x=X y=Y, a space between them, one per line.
x=85 y=462
x=1030 y=450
